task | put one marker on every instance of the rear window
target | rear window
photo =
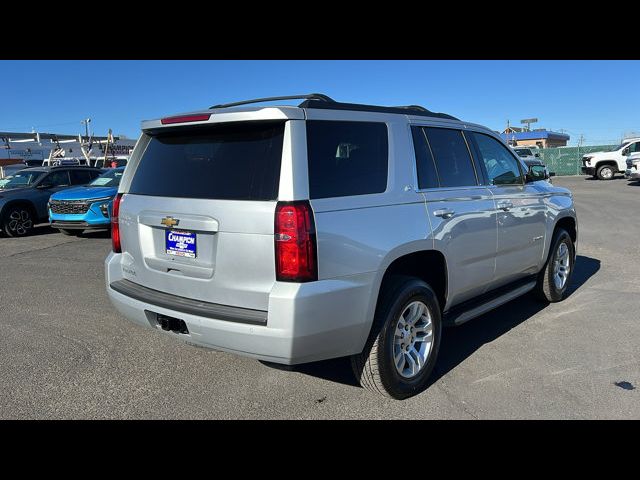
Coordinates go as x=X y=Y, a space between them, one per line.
x=238 y=161
x=524 y=152
x=346 y=158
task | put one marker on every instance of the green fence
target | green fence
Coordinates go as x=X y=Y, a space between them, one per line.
x=568 y=160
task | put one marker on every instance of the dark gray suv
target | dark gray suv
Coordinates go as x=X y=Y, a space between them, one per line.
x=23 y=199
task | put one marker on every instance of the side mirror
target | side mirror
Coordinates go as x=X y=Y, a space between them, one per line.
x=537 y=172
x=625 y=152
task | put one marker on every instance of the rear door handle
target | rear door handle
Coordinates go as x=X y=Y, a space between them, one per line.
x=505 y=205
x=444 y=213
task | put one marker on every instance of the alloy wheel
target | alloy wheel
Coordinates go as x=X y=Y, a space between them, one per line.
x=413 y=339
x=19 y=222
x=561 y=266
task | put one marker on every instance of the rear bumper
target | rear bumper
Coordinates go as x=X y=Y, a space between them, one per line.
x=305 y=322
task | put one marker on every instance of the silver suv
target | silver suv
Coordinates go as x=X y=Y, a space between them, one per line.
x=295 y=234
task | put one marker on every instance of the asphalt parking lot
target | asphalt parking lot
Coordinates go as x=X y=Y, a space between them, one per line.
x=66 y=353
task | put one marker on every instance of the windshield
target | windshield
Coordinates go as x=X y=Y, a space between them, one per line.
x=23 y=179
x=109 y=179
x=523 y=152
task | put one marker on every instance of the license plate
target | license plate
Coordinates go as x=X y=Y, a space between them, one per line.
x=181 y=244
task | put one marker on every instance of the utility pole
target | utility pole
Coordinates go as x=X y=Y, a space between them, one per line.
x=86 y=122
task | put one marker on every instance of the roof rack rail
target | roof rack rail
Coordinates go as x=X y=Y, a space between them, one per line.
x=405 y=110
x=413 y=107
x=309 y=96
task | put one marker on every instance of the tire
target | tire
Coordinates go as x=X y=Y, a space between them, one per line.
x=550 y=288
x=75 y=233
x=606 y=172
x=374 y=367
x=18 y=221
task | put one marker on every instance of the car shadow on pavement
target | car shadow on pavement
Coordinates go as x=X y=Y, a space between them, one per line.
x=634 y=183
x=458 y=343
x=97 y=234
x=595 y=179
x=42 y=229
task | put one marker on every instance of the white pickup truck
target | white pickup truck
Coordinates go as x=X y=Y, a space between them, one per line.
x=604 y=165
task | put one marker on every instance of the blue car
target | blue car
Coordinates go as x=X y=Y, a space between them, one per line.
x=75 y=210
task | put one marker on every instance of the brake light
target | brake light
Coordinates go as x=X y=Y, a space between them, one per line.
x=295 y=242
x=115 y=226
x=186 y=118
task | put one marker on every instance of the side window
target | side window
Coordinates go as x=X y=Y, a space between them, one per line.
x=94 y=174
x=452 y=157
x=346 y=158
x=634 y=147
x=58 y=179
x=501 y=166
x=80 y=177
x=427 y=174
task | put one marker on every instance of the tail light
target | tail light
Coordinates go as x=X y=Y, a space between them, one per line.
x=115 y=226
x=295 y=241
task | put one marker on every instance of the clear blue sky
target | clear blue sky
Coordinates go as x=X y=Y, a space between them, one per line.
x=600 y=99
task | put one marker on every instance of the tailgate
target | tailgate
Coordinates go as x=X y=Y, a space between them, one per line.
x=197 y=220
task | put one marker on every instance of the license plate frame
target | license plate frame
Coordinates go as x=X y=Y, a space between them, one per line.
x=178 y=243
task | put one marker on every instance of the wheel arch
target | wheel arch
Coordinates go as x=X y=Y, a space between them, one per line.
x=568 y=223
x=418 y=259
x=610 y=162
x=13 y=203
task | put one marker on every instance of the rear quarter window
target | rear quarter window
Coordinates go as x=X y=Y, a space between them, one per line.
x=346 y=158
x=238 y=161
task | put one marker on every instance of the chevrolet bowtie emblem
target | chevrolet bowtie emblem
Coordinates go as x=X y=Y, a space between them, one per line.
x=170 y=221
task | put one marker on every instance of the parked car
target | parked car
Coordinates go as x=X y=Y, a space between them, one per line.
x=526 y=153
x=75 y=210
x=295 y=234
x=605 y=165
x=633 y=167
x=23 y=199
